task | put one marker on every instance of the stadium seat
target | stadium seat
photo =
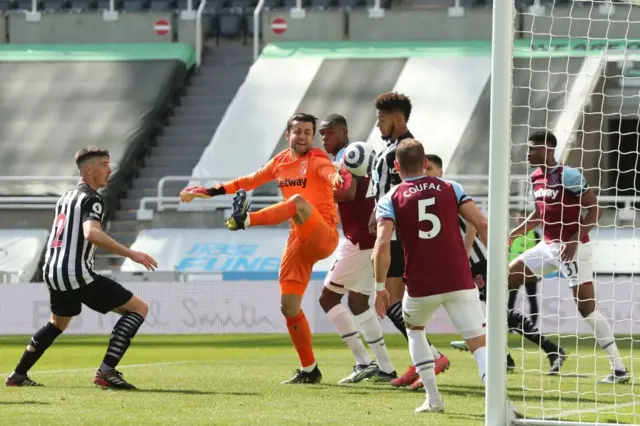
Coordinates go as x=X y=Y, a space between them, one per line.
x=324 y=4
x=159 y=6
x=229 y=23
x=57 y=5
x=293 y=3
x=248 y=19
x=352 y=4
x=273 y=4
x=84 y=5
x=136 y=5
x=28 y=5
x=8 y=5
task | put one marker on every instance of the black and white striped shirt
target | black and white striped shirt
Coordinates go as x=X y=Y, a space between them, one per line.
x=478 y=251
x=68 y=263
x=384 y=174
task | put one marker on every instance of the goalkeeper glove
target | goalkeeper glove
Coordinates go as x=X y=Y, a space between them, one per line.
x=188 y=194
x=342 y=178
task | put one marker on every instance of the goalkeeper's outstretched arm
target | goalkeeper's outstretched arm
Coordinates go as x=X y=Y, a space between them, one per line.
x=248 y=182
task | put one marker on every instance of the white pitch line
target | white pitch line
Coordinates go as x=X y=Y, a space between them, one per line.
x=593 y=410
x=78 y=370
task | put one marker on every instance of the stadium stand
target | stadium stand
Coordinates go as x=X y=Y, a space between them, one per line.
x=20 y=252
x=52 y=109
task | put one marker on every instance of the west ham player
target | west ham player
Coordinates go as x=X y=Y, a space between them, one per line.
x=561 y=194
x=515 y=320
x=306 y=177
x=393 y=112
x=424 y=213
x=72 y=282
x=352 y=271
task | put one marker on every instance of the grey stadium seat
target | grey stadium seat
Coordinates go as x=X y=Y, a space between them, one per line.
x=229 y=24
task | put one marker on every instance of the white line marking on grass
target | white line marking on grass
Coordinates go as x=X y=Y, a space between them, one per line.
x=79 y=370
x=594 y=410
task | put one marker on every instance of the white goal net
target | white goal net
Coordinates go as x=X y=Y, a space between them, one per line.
x=575 y=73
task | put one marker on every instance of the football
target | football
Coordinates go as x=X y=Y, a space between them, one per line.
x=358 y=158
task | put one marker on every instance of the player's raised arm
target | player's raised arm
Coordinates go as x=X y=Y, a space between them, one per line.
x=470 y=213
x=248 y=182
x=333 y=173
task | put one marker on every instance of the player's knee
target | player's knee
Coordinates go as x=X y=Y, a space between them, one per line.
x=475 y=343
x=329 y=299
x=61 y=323
x=358 y=303
x=299 y=201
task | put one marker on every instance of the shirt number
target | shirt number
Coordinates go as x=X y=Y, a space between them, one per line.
x=423 y=215
x=61 y=220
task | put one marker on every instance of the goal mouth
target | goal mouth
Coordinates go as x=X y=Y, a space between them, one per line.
x=570 y=111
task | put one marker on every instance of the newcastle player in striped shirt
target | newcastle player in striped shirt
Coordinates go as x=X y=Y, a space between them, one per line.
x=68 y=271
x=515 y=319
x=393 y=112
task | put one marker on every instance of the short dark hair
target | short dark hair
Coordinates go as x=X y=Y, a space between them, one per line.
x=410 y=155
x=89 y=153
x=394 y=102
x=303 y=118
x=544 y=137
x=334 y=120
x=434 y=159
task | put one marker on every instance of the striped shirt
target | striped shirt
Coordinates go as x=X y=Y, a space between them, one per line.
x=478 y=251
x=68 y=263
x=384 y=174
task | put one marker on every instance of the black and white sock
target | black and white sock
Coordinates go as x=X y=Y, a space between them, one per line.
x=40 y=341
x=394 y=312
x=523 y=325
x=125 y=329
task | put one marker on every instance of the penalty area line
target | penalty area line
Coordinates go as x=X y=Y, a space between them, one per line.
x=120 y=367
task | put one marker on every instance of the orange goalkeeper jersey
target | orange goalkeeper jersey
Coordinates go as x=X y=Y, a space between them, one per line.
x=310 y=176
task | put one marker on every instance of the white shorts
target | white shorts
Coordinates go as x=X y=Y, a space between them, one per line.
x=544 y=258
x=352 y=270
x=463 y=307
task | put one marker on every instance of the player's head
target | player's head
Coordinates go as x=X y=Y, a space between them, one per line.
x=333 y=133
x=94 y=167
x=434 y=165
x=541 y=148
x=393 y=110
x=410 y=158
x=301 y=131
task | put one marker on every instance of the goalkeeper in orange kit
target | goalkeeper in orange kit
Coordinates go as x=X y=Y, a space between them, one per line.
x=306 y=177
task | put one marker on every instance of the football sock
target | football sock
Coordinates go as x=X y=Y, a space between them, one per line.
x=532 y=290
x=423 y=360
x=121 y=336
x=40 y=341
x=300 y=333
x=605 y=339
x=394 y=312
x=372 y=332
x=346 y=326
x=273 y=215
x=523 y=325
x=512 y=299
x=480 y=355
x=436 y=353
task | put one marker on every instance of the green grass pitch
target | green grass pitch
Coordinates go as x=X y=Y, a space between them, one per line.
x=234 y=380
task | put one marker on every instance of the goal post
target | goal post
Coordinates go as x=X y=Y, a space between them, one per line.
x=574 y=70
x=498 y=206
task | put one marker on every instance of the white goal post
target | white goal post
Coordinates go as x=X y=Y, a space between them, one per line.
x=582 y=84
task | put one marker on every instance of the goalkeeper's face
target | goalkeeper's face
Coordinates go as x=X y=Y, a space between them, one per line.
x=300 y=137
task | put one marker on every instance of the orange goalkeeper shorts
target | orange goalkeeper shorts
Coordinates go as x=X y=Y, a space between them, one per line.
x=308 y=243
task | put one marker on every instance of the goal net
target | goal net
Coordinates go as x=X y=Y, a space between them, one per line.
x=576 y=73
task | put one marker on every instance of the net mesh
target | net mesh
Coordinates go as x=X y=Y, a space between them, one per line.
x=580 y=79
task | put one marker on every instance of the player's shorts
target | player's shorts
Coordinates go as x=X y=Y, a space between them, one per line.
x=102 y=295
x=352 y=270
x=396 y=268
x=463 y=307
x=308 y=243
x=544 y=258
